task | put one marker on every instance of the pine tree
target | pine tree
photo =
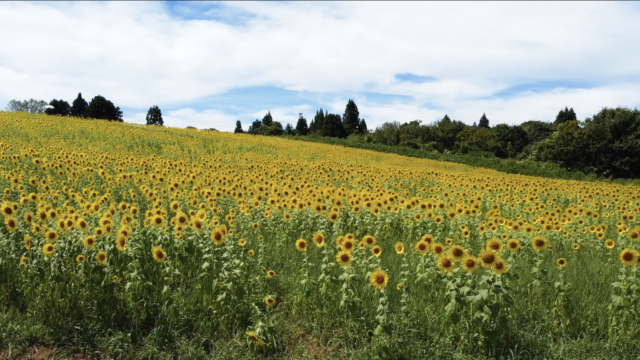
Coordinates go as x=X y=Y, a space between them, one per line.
x=484 y=122
x=288 y=129
x=351 y=118
x=565 y=115
x=79 y=106
x=238 y=129
x=267 y=120
x=301 y=126
x=362 y=127
x=154 y=116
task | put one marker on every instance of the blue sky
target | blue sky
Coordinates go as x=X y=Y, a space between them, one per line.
x=208 y=64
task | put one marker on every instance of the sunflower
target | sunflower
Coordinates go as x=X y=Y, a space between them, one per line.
x=470 y=264
x=159 y=255
x=495 y=244
x=51 y=236
x=11 y=224
x=80 y=259
x=253 y=337
x=24 y=261
x=488 y=258
x=251 y=252
x=399 y=246
x=628 y=257
x=121 y=242
x=379 y=279
x=348 y=245
x=513 y=245
x=217 y=237
x=610 y=244
x=446 y=264
x=318 y=239
x=376 y=251
x=369 y=240
x=157 y=221
x=271 y=274
x=457 y=253
x=343 y=258
x=437 y=249
x=242 y=242
x=575 y=246
x=27 y=242
x=301 y=245
x=422 y=247
x=562 y=262
x=48 y=250
x=101 y=257
x=270 y=301
x=89 y=242
x=540 y=244
x=499 y=266
x=399 y=287
x=255 y=226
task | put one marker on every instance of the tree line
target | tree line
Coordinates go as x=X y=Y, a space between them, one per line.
x=98 y=108
x=606 y=145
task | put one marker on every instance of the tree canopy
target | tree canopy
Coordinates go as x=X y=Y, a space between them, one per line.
x=101 y=108
x=154 y=116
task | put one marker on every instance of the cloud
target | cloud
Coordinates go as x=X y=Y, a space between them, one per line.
x=212 y=62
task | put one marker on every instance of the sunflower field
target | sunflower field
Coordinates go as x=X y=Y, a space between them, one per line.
x=152 y=242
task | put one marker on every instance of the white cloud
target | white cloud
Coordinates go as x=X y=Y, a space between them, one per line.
x=138 y=54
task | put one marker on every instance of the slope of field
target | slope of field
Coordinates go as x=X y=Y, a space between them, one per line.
x=151 y=242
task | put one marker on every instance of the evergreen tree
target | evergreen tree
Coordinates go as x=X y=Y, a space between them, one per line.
x=484 y=122
x=317 y=124
x=267 y=120
x=79 y=106
x=362 y=127
x=238 y=129
x=288 y=129
x=101 y=108
x=154 y=116
x=253 y=128
x=351 y=118
x=59 y=107
x=301 y=127
x=334 y=126
x=446 y=119
x=565 y=115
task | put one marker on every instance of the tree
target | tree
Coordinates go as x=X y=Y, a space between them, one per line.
x=537 y=130
x=101 y=108
x=565 y=115
x=267 y=120
x=301 y=127
x=288 y=129
x=253 y=128
x=388 y=133
x=317 y=124
x=79 y=106
x=58 y=107
x=154 y=116
x=484 y=122
x=31 y=106
x=238 y=129
x=514 y=135
x=362 y=127
x=351 y=118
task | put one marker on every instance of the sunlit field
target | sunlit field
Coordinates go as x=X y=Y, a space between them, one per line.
x=151 y=242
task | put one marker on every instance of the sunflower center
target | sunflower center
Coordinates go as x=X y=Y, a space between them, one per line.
x=344 y=258
x=446 y=263
x=457 y=252
x=379 y=279
x=470 y=263
x=488 y=258
x=627 y=256
x=539 y=243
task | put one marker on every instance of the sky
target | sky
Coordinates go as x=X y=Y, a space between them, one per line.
x=208 y=65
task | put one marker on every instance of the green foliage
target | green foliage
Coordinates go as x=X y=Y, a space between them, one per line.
x=565 y=116
x=79 y=106
x=154 y=116
x=484 y=122
x=60 y=107
x=267 y=120
x=31 y=106
x=301 y=127
x=607 y=144
x=238 y=129
x=101 y=108
x=351 y=118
